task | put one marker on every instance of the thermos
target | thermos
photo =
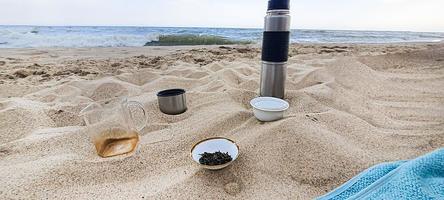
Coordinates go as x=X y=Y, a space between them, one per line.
x=275 y=44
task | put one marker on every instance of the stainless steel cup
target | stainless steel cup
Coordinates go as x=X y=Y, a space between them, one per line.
x=172 y=101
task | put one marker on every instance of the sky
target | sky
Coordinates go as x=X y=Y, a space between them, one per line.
x=401 y=15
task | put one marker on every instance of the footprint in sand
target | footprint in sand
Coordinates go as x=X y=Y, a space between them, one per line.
x=232 y=188
x=5 y=152
x=108 y=91
x=197 y=75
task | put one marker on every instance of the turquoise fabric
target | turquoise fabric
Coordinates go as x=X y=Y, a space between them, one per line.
x=421 y=178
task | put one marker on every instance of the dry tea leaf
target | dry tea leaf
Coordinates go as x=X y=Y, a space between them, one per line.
x=217 y=158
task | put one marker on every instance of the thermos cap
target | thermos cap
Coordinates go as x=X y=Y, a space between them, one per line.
x=278 y=4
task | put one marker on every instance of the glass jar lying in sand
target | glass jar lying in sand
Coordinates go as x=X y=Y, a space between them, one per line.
x=114 y=129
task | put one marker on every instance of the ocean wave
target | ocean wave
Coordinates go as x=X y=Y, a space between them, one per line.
x=72 y=36
x=37 y=38
x=188 y=39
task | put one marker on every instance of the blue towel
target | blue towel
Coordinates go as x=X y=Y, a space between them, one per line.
x=421 y=178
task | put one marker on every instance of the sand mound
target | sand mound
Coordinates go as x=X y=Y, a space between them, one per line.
x=351 y=107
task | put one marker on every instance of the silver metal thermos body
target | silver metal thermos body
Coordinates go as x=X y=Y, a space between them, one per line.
x=275 y=45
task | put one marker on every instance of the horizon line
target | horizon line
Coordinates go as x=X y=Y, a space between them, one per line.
x=148 y=26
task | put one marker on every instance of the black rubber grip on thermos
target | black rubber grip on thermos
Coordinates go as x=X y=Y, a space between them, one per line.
x=278 y=4
x=275 y=46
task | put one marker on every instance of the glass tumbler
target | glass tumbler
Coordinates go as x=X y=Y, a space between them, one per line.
x=115 y=128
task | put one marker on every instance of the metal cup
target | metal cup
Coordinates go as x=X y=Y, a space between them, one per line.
x=172 y=101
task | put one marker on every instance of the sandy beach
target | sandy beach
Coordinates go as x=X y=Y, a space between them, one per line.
x=351 y=106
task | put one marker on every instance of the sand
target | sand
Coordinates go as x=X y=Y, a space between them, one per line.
x=351 y=106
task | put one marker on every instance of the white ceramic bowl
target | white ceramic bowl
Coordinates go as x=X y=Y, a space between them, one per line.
x=212 y=145
x=269 y=109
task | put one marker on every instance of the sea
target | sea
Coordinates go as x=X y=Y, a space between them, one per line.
x=106 y=36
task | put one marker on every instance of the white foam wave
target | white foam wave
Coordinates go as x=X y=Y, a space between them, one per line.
x=66 y=36
x=20 y=39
